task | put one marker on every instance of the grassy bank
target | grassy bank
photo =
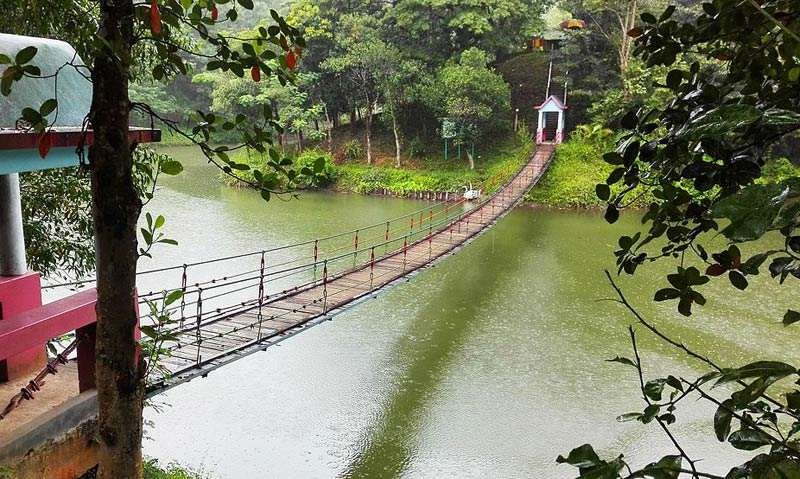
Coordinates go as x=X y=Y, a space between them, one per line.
x=427 y=171
x=434 y=174
x=578 y=166
x=154 y=470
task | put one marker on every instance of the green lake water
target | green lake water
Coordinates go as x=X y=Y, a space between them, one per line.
x=489 y=364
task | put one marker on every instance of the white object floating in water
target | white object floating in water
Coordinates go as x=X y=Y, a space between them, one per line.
x=471 y=194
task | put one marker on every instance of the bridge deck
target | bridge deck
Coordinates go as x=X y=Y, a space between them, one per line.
x=209 y=344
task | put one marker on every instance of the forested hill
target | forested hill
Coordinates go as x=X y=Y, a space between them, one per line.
x=250 y=18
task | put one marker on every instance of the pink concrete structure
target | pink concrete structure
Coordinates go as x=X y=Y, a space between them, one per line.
x=27 y=326
x=17 y=295
x=544 y=132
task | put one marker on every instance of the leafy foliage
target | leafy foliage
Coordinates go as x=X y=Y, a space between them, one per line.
x=57 y=223
x=703 y=156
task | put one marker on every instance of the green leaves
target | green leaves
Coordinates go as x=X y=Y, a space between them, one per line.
x=666 y=294
x=582 y=456
x=590 y=465
x=791 y=317
x=612 y=214
x=722 y=420
x=171 y=167
x=48 y=107
x=768 y=370
x=668 y=467
x=748 y=439
x=622 y=360
x=738 y=280
x=603 y=191
x=682 y=283
x=151 y=234
x=751 y=212
x=722 y=121
x=25 y=55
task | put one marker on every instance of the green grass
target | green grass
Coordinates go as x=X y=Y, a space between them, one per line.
x=153 y=470
x=430 y=173
x=434 y=174
x=577 y=167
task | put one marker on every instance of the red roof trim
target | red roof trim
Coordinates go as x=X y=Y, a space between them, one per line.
x=555 y=99
x=28 y=140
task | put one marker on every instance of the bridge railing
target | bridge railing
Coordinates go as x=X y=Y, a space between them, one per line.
x=264 y=275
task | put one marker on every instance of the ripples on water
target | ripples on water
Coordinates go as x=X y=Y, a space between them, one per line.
x=488 y=365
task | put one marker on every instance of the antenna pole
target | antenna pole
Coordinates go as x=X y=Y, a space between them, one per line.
x=549 y=77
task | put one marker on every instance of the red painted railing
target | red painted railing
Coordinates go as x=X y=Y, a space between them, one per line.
x=26 y=326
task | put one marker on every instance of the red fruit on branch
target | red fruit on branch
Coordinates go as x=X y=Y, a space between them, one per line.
x=291 y=60
x=214 y=13
x=155 y=17
x=45 y=143
x=255 y=72
x=715 y=270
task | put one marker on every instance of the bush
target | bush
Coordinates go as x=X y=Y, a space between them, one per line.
x=416 y=148
x=577 y=167
x=255 y=160
x=152 y=470
x=353 y=151
x=326 y=173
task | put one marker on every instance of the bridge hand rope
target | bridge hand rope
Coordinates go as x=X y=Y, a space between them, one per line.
x=290 y=295
x=291 y=287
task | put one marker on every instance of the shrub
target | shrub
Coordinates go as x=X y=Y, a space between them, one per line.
x=319 y=161
x=353 y=151
x=416 y=148
x=577 y=168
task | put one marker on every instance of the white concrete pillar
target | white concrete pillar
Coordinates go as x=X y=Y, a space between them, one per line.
x=560 y=131
x=12 y=240
x=540 y=128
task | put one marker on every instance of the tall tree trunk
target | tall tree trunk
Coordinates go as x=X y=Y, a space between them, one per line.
x=277 y=114
x=396 y=142
x=115 y=208
x=471 y=160
x=328 y=128
x=628 y=24
x=299 y=141
x=368 y=129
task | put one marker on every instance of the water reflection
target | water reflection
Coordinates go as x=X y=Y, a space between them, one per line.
x=433 y=341
x=488 y=365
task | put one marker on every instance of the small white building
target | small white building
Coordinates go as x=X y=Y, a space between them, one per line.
x=551 y=121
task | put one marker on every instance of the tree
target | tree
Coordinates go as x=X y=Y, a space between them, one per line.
x=702 y=156
x=433 y=31
x=364 y=57
x=124 y=27
x=71 y=252
x=474 y=95
x=395 y=76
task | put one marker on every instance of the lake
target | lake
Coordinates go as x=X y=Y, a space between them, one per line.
x=489 y=364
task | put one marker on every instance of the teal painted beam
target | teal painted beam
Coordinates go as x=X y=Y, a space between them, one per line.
x=19 y=161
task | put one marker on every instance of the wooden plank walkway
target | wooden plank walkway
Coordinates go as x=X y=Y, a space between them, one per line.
x=209 y=345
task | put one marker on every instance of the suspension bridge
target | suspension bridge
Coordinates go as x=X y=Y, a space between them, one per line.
x=274 y=294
